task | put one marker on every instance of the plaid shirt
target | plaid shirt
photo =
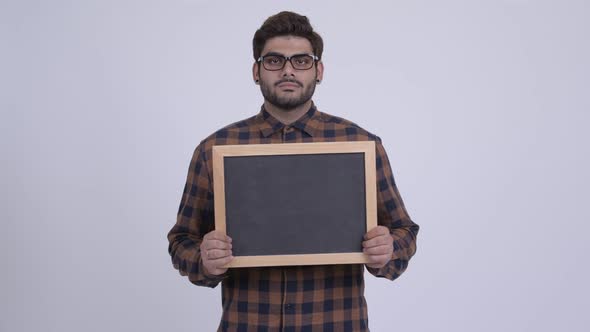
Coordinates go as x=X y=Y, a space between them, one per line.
x=294 y=298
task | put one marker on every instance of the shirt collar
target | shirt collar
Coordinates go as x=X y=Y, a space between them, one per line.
x=269 y=125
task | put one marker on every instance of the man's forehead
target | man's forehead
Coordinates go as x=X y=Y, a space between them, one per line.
x=287 y=45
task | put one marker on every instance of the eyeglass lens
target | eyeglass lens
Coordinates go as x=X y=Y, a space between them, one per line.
x=277 y=62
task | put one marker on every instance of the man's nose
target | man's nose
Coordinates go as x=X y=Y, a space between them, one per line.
x=288 y=69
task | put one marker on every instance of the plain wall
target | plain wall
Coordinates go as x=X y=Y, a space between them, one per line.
x=482 y=107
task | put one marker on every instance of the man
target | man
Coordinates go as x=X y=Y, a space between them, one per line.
x=287 y=54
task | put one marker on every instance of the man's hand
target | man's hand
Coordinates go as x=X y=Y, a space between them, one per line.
x=216 y=252
x=378 y=245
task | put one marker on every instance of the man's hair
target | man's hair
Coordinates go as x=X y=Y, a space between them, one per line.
x=287 y=24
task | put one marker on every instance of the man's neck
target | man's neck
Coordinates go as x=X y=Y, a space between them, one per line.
x=287 y=116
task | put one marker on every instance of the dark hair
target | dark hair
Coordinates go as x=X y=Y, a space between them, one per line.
x=286 y=24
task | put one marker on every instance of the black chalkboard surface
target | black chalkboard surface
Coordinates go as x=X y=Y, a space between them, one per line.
x=295 y=204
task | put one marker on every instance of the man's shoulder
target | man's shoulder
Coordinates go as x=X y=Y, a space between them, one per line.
x=231 y=133
x=339 y=123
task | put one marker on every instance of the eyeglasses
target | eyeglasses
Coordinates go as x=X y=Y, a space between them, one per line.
x=274 y=62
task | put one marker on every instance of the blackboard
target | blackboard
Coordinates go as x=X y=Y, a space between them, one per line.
x=295 y=204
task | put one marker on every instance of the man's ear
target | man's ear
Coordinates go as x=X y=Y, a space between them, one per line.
x=320 y=70
x=255 y=73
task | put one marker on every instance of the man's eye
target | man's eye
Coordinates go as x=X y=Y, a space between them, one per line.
x=273 y=60
x=302 y=60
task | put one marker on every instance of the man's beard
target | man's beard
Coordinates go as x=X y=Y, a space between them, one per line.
x=287 y=103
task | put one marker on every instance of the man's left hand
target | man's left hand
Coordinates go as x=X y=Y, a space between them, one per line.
x=378 y=246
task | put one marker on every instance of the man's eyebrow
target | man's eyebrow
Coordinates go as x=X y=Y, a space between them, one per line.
x=274 y=53
x=281 y=54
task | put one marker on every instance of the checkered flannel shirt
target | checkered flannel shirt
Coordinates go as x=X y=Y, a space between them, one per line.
x=294 y=298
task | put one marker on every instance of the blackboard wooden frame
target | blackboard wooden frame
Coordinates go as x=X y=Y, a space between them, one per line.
x=367 y=148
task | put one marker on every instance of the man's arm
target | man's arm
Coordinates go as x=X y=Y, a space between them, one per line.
x=391 y=213
x=194 y=220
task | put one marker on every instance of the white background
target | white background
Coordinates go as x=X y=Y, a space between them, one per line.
x=482 y=106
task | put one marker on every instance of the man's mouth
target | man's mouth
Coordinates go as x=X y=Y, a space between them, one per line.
x=288 y=84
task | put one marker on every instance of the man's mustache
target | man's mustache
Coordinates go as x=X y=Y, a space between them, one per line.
x=289 y=81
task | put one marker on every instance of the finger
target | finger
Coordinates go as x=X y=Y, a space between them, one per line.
x=215 y=254
x=216 y=270
x=217 y=244
x=211 y=255
x=375 y=265
x=217 y=235
x=380 y=250
x=378 y=259
x=376 y=231
x=219 y=265
x=378 y=241
x=216 y=238
x=224 y=261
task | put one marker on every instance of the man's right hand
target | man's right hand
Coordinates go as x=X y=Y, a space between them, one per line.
x=216 y=252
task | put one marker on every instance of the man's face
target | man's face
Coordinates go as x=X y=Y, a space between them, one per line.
x=287 y=88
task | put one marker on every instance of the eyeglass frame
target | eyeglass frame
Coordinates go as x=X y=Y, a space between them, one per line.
x=314 y=57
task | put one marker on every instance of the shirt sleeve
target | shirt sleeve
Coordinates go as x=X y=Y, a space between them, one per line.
x=195 y=219
x=392 y=214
